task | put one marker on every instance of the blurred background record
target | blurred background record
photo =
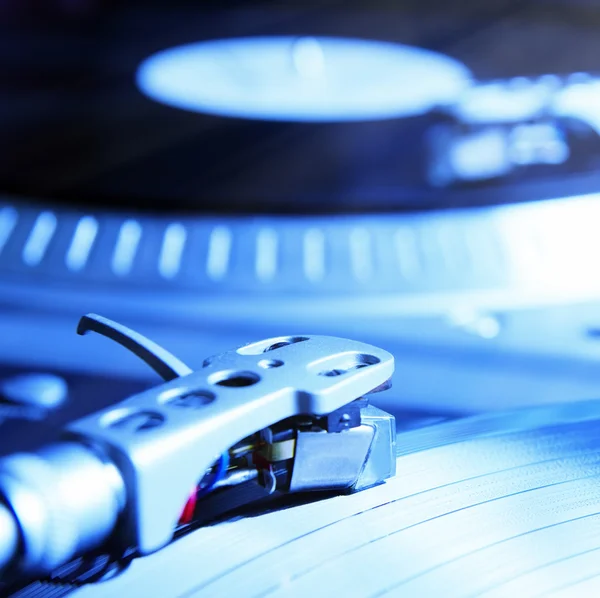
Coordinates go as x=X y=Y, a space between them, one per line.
x=419 y=175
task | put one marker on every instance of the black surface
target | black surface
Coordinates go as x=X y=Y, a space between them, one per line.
x=26 y=428
x=75 y=128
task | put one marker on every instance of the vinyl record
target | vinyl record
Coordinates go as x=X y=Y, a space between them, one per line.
x=504 y=505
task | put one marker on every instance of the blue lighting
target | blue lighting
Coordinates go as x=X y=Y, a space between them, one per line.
x=302 y=79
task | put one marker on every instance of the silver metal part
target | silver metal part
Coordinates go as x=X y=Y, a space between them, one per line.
x=239 y=476
x=164 y=439
x=381 y=461
x=35 y=389
x=9 y=537
x=135 y=463
x=165 y=364
x=330 y=461
x=66 y=500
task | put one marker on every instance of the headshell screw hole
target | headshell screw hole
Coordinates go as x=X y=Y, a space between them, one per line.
x=268 y=364
x=233 y=378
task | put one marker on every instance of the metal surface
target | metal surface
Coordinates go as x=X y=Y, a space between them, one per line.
x=135 y=462
x=330 y=461
x=238 y=477
x=165 y=364
x=411 y=264
x=9 y=537
x=381 y=462
x=66 y=501
x=147 y=434
x=35 y=389
x=484 y=307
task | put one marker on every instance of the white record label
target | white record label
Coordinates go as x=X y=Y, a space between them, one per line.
x=303 y=79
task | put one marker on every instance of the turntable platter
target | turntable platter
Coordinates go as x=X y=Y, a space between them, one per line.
x=207 y=230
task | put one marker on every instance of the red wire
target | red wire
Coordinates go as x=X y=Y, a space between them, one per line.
x=187 y=515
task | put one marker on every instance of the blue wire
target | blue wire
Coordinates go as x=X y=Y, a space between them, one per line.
x=219 y=471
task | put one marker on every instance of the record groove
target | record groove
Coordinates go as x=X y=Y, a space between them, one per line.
x=470 y=513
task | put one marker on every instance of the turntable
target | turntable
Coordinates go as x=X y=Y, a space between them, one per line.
x=421 y=177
